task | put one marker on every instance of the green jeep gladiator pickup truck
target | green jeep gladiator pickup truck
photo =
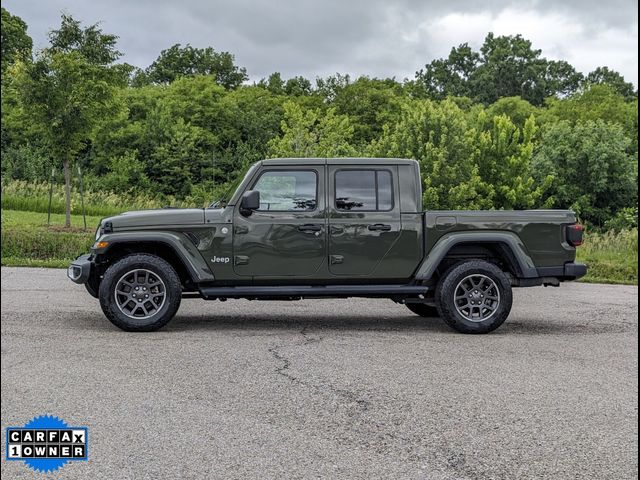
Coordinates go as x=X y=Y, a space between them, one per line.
x=317 y=228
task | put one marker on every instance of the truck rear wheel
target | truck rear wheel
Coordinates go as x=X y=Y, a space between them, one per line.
x=140 y=293
x=423 y=309
x=474 y=297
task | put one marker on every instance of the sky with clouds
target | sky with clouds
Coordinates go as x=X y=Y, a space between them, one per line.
x=376 y=38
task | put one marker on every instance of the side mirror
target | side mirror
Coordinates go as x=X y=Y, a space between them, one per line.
x=250 y=202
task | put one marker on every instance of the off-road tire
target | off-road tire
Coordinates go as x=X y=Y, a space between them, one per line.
x=423 y=309
x=158 y=268
x=458 y=317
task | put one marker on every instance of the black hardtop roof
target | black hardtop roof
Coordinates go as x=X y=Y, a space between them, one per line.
x=339 y=161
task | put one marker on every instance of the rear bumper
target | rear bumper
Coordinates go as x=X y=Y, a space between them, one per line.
x=575 y=270
x=568 y=271
x=79 y=270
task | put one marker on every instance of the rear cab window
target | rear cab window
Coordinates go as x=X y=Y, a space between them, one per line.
x=363 y=190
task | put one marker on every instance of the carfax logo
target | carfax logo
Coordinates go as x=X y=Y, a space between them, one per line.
x=46 y=443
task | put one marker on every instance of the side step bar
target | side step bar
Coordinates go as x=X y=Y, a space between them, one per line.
x=311 y=291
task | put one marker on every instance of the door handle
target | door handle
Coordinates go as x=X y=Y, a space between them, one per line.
x=379 y=227
x=309 y=228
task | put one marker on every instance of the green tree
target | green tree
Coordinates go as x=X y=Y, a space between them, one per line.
x=561 y=79
x=67 y=91
x=597 y=102
x=15 y=43
x=169 y=130
x=505 y=66
x=297 y=86
x=510 y=67
x=370 y=103
x=517 y=109
x=25 y=162
x=293 y=87
x=125 y=171
x=310 y=133
x=328 y=88
x=274 y=83
x=606 y=76
x=451 y=76
x=593 y=172
x=255 y=116
x=221 y=131
x=439 y=137
x=171 y=159
x=178 y=61
x=504 y=154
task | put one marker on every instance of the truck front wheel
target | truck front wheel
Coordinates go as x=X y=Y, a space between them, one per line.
x=140 y=293
x=474 y=297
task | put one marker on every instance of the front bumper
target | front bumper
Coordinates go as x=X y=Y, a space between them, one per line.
x=80 y=269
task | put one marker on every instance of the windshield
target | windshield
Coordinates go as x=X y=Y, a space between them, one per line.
x=228 y=194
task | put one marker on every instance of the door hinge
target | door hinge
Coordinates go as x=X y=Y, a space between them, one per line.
x=336 y=259
x=240 y=260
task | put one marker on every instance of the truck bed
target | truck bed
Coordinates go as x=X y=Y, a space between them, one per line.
x=540 y=230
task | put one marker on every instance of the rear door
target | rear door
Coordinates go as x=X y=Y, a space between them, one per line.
x=364 y=217
x=286 y=237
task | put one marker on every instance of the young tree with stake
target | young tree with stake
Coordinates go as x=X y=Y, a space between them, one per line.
x=68 y=89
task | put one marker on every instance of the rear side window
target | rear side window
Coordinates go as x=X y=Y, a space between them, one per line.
x=364 y=190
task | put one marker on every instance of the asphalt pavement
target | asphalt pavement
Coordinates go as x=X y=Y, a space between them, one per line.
x=351 y=388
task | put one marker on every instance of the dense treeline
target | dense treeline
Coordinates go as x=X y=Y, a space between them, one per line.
x=502 y=127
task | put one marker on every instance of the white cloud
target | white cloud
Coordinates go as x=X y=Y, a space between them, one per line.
x=559 y=37
x=374 y=37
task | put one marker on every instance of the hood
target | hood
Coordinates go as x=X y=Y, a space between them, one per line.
x=162 y=217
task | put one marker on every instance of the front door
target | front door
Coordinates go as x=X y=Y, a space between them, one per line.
x=286 y=236
x=364 y=218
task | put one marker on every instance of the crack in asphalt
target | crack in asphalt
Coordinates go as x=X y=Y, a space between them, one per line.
x=453 y=461
x=284 y=370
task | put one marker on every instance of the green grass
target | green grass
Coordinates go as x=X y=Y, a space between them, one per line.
x=611 y=257
x=34 y=197
x=14 y=218
x=24 y=196
x=27 y=241
x=41 y=204
x=30 y=262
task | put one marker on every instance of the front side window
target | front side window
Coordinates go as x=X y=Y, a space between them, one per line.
x=286 y=191
x=364 y=190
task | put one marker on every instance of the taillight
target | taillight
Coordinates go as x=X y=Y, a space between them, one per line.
x=574 y=234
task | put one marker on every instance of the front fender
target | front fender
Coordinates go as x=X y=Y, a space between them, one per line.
x=179 y=243
x=524 y=263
